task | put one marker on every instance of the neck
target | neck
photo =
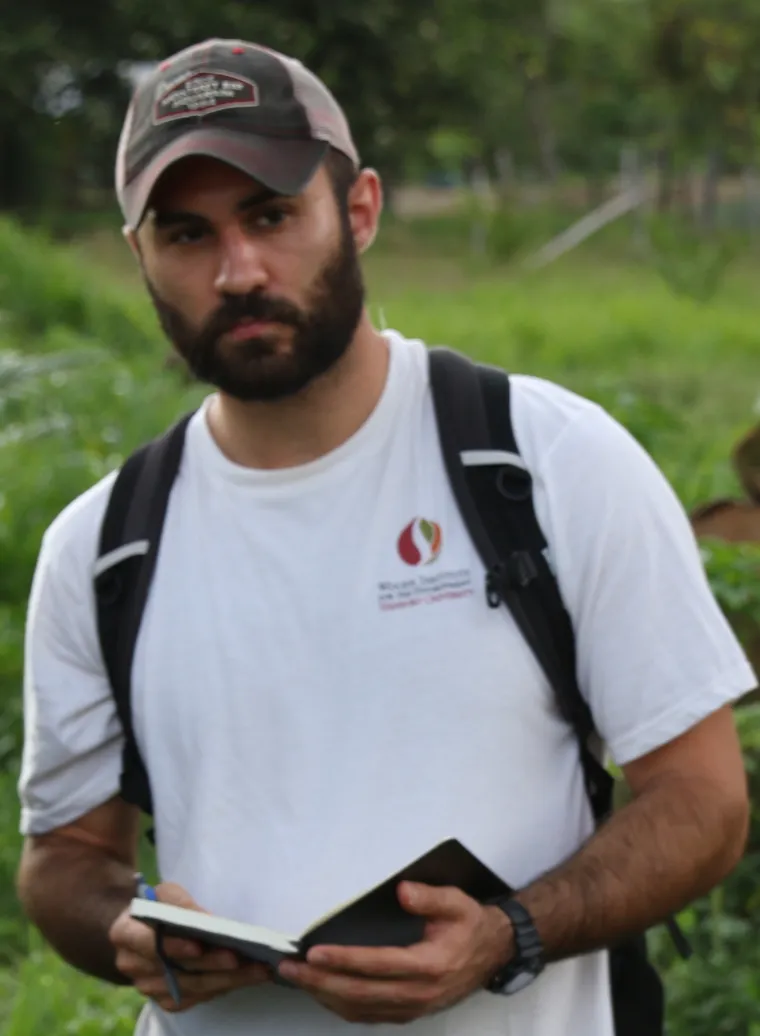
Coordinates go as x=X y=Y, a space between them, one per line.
x=289 y=432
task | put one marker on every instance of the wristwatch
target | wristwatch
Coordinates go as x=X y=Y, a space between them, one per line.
x=528 y=961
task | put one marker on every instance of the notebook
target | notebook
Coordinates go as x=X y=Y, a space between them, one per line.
x=373 y=918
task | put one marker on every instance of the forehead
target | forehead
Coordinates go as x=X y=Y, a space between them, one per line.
x=195 y=179
x=197 y=183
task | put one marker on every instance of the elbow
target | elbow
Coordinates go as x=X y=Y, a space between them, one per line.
x=734 y=834
x=28 y=881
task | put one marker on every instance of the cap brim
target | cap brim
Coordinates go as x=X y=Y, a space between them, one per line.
x=283 y=165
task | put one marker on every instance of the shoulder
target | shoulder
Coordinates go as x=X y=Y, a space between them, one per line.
x=83 y=515
x=546 y=415
x=563 y=435
x=70 y=542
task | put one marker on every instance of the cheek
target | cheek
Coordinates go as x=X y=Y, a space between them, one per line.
x=295 y=271
x=187 y=286
x=297 y=257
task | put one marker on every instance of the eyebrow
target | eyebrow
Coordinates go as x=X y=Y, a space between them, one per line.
x=163 y=218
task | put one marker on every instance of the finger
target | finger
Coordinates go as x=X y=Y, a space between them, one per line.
x=419 y=961
x=377 y=994
x=176 y=895
x=373 y=1014
x=204 y=987
x=208 y=960
x=180 y=949
x=435 y=903
x=170 y=1006
x=177 y=948
x=135 y=965
x=128 y=934
x=350 y=988
x=137 y=937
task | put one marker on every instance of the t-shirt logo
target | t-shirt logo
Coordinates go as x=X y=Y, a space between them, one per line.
x=420 y=543
x=199 y=93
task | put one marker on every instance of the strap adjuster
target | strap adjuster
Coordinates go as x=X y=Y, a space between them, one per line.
x=520 y=570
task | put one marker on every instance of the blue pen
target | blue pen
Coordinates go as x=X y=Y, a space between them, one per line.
x=145 y=891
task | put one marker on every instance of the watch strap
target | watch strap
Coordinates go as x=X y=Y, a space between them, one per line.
x=528 y=961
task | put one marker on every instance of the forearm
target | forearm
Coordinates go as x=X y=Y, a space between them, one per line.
x=73 y=893
x=668 y=847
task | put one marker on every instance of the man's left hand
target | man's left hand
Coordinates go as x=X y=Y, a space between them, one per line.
x=463 y=945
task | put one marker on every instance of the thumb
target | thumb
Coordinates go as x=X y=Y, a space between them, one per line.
x=168 y=892
x=430 y=901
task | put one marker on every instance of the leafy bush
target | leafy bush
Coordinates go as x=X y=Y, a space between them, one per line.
x=691 y=262
x=734 y=573
x=718 y=989
x=47 y=996
x=44 y=288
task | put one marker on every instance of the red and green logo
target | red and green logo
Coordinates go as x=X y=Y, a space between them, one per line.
x=420 y=542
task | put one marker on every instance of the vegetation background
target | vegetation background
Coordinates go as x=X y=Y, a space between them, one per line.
x=496 y=127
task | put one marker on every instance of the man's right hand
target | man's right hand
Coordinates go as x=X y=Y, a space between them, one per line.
x=215 y=972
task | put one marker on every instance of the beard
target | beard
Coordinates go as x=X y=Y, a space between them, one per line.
x=255 y=369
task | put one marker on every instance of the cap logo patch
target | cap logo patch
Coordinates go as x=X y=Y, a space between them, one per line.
x=198 y=93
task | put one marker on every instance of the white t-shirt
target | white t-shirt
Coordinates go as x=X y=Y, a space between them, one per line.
x=321 y=691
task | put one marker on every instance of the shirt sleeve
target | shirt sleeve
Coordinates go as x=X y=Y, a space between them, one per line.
x=73 y=740
x=655 y=653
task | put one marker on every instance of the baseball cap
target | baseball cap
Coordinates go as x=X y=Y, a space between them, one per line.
x=242 y=103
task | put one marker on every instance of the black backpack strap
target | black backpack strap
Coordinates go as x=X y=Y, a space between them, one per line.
x=130 y=537
x=494 y=492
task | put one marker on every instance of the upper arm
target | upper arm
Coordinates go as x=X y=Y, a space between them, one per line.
x=708 y=752
x=96 y=852
x=72 y=754
x=706 y=762
x=112 y=828
x=656 y=656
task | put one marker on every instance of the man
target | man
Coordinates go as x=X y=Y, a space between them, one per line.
x=302 y=741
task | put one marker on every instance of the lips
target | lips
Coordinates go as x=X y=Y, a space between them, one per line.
x=248 y=328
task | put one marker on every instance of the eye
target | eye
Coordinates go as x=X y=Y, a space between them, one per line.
x=187 y=235
x=271 y=218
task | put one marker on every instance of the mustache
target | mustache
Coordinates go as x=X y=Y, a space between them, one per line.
x=254 y=306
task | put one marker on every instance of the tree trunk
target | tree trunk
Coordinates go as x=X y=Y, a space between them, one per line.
x=631 y=179
x=538 y=102
x=751 y=182
x=665 y=177
x=480 y=186
x=505 y=178
x=685 y=193
x=16 y=185
x=710 y=199
x=594 y=189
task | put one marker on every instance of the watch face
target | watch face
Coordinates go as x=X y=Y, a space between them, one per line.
x=521 y=981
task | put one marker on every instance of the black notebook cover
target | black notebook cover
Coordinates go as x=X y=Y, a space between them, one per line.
x=374 y=918
x=378 y=919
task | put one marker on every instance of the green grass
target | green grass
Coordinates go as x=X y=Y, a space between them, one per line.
x=682 y=374
x=43 y=995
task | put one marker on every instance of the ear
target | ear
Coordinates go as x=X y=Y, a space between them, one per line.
x=130 y=236
x=365 y=204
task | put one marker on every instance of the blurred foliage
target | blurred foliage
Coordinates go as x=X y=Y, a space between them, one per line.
x=677 y=373
x=734 y=573
x=690 y=262
x=45 y=995
x=427 y=84
x=526 y=92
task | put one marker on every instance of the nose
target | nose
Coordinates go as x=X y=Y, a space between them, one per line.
x=241 y=266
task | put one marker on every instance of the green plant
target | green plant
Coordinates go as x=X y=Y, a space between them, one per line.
x=46 y=996
x=690 y=261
